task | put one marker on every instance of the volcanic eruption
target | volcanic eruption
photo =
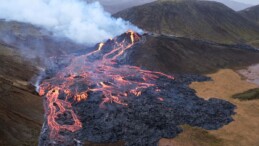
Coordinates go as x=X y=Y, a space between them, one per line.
x=99 y=98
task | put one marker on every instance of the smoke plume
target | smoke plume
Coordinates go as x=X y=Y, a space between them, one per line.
x=78 y=20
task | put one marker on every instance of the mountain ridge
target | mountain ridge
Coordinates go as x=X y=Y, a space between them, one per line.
x=114 y=6
x=251 y=13
x=235 y=5
x=195 y=19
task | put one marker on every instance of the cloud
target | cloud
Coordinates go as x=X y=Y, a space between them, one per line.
x=82 y=22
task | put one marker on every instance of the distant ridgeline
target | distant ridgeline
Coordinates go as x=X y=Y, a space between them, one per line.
x=205 y=20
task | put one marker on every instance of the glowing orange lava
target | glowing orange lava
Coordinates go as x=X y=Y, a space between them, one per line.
x=97 y=71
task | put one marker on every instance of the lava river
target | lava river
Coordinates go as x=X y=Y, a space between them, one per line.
x=100 y=75
x=100 y=72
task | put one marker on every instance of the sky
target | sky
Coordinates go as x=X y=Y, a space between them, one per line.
x=253 y=2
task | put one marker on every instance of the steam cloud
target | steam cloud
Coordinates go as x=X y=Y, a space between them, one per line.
x=78 y=20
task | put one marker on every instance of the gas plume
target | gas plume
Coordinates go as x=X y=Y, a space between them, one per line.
x=77 y=20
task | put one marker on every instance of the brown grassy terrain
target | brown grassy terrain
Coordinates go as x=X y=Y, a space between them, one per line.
x=192 y=137
x=244 y=131
x=21 y=110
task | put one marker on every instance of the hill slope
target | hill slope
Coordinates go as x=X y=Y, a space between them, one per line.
x=183 y=55
x=251 y=13
x=114 y=6
x=34 y=41
x=196 y=19
x=21 y=109
x=237 y=6
x=23 y=47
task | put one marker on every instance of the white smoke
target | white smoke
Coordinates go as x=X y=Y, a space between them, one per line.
x=80 y=21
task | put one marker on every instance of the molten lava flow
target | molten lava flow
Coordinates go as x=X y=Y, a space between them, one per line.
x=95 y=72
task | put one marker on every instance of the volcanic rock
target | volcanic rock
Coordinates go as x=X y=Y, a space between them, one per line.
x=109 y=101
